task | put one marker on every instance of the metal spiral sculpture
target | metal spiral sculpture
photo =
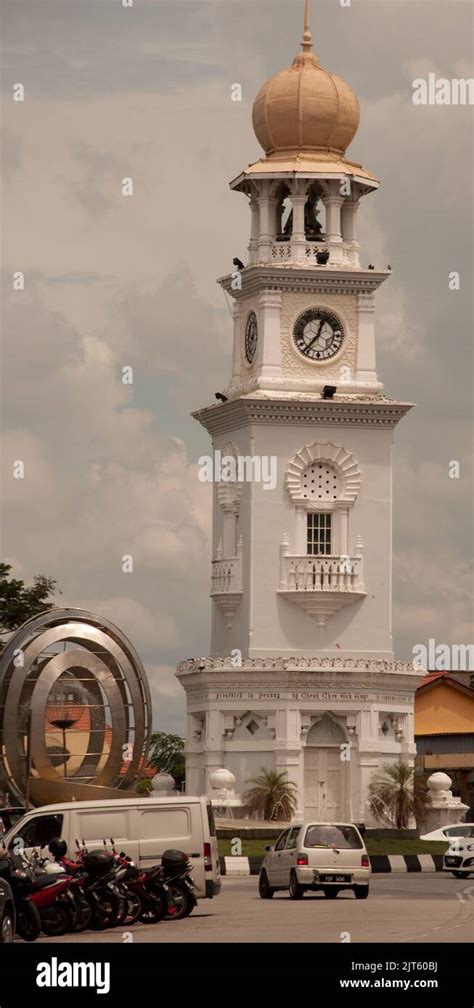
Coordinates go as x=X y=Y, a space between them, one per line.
x=70 y=674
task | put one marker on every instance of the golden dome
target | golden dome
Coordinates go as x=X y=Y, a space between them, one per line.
x=305 y=107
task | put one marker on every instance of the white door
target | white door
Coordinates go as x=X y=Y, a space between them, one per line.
x=275 y=866
x=322 y=783
x=288 y=856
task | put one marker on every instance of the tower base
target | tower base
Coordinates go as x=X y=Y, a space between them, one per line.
x=327 y=724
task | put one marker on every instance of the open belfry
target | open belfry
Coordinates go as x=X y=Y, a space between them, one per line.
x=301 y=678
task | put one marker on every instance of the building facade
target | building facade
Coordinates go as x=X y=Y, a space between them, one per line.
x=444 y=730
x=301 y=677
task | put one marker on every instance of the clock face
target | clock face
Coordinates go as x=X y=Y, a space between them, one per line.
x=318 y=334
x=251 y=337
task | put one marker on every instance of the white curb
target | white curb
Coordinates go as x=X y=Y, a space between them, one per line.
x=426 y=862
x=237 y=866
x=397 y=862
x=240 y=866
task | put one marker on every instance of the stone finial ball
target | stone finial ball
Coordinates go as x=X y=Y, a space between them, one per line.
x=222 y=779
x=163 y=782
x=439 y=782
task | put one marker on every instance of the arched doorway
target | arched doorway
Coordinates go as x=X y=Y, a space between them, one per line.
x=325 y=771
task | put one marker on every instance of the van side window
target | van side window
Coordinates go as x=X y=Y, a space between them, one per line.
x=40 y=831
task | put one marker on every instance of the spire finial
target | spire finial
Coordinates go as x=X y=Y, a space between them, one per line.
x=307 y=43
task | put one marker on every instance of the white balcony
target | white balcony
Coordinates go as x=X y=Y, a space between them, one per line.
x=285 y=253
x=226 y=583
x=321 y=585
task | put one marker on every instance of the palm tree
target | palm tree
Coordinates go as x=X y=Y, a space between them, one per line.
x=397 y=794
x=272 y=796
x=143 y=786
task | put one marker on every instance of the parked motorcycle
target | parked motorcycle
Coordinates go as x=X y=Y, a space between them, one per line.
x=143 y=884
x=98 y=877
x=175 y=876
x=83 y=910
x=171 y=880
x=51 y=893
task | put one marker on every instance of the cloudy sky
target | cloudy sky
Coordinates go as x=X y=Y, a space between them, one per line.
x=114 y=281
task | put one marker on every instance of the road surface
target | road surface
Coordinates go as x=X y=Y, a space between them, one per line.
x=401 y=908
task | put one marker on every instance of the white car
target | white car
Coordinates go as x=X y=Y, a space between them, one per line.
x=459 y=858
x=446 y=832
x=324 y=856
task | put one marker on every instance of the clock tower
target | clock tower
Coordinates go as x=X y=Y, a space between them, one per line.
x=301 y=678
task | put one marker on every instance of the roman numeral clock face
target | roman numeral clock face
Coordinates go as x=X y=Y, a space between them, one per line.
x=318 y=334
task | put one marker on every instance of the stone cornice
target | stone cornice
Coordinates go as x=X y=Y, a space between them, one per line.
x=345 y=411
x=228 y=682
x=267 y=674
x=376 y=665
x=309 y=279
x=341 y=675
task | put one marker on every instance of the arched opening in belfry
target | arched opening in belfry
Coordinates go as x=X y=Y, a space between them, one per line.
x=315 y=214
x=284 y=213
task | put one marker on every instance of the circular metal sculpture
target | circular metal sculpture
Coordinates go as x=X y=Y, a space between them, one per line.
x=75 y=705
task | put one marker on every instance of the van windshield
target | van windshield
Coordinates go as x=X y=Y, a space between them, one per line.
x=39 y=832
x=343 y=837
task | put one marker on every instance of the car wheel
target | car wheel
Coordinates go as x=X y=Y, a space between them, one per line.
x=295 y=889
x=361 y=891
x=265 y=890
x=330 y=892
x=6 y=928
x=460 y=874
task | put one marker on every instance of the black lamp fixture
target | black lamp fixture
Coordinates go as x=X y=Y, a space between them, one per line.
x=329 y=391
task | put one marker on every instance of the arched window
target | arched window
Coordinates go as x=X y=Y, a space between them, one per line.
x=323 y=481
x=326 y=731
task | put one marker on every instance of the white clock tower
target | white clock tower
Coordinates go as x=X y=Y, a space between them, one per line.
x=302 y=677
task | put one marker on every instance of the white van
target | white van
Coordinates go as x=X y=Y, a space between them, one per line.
x=142 y=827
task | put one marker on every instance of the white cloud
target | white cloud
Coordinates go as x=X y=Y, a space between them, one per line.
x=163 y=681
x=148 y=630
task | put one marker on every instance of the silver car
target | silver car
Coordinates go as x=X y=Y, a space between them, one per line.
x=316 y=856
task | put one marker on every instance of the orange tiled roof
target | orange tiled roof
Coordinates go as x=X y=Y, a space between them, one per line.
x=431 y=676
